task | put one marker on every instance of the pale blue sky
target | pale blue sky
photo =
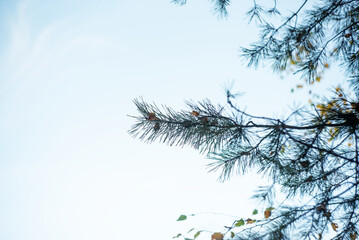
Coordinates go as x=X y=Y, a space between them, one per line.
x=69 y=71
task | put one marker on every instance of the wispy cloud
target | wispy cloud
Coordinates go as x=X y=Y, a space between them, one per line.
x=34 y=51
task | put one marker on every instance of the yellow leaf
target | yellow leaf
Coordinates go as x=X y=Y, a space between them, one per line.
x=292 y=62
x=299 y=86
x=217 y=236
x=195 y=113
x=267 y=213
x=326 y=65
x=151 y=117
x=334 y=226
x=249 y=221
x=318 y=78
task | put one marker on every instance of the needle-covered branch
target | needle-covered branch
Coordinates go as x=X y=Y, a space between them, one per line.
x=312 y=152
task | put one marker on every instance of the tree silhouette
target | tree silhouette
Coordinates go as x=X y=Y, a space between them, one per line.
x=311 y=153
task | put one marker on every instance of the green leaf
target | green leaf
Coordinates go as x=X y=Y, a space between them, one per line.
x=232 y=234
x=182 y=218
x=178 y=235
x=239 y=223
x=255 y=211
x=190 y=230
x=197 y=234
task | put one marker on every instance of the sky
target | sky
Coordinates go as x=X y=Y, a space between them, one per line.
x=69 y=71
